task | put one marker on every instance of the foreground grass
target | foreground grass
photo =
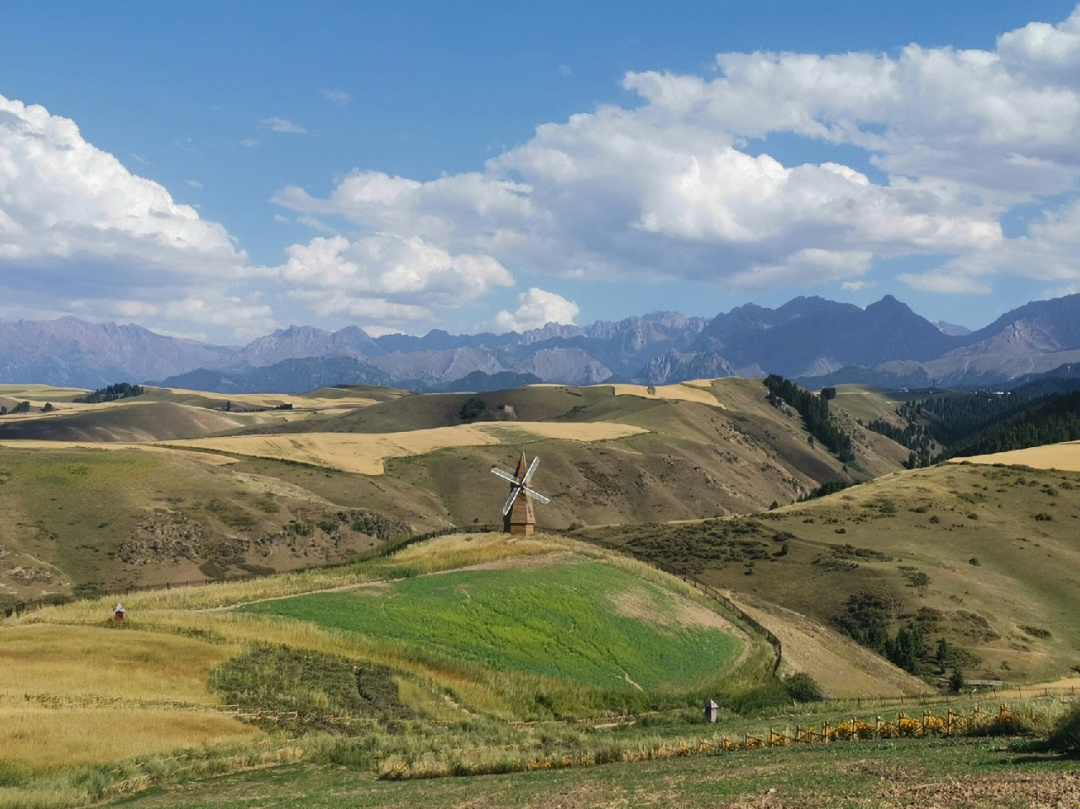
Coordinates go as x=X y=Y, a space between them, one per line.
x=943 y=773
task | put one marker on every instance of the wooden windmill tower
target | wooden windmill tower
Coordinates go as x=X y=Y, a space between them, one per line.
x=519 y=514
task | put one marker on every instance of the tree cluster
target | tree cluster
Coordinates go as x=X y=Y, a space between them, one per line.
x=814 y=409
x=121 y=390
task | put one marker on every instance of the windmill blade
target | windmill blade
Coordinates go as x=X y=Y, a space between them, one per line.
x=510 y=500
x=536 y=495
x=505 y=476
x=532 y=469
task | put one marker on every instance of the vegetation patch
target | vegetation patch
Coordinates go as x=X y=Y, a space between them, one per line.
x=560 y=624
x=303 y=690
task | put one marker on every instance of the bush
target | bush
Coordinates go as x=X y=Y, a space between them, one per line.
x=956 y=681
x=1065 y=737
x=472 y=408
x=803 y=688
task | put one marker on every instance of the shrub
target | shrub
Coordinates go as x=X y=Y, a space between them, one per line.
x=1065 y=736
x=956 y=681
x=472 y=408
x=1042 y=516
x=803 y=688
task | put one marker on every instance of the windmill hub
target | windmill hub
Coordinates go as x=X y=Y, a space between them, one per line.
x=519 y=513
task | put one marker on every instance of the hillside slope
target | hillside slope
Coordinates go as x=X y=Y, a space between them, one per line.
x=609 y=454
x=984 y=557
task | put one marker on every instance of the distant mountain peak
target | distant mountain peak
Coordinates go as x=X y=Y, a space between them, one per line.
x=952 y=329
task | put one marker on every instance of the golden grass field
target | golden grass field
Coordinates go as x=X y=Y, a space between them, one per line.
x=696 y=391
x=364 y=453
x=36 y=738
x=55 y=660
x=1064 y=457
x=268 y=400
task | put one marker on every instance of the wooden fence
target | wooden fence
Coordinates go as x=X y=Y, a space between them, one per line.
x=929 y=724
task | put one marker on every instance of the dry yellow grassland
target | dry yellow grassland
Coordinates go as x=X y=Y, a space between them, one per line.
x=364 y=453
x=687 y=392
x=275 y=399
x=106 y=662
x=1063 y=457
x=38 y=738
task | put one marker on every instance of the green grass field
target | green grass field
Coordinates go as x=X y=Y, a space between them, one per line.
x=900 y=774
x=560 y=621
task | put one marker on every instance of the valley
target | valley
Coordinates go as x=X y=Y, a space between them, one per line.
x=318 y=578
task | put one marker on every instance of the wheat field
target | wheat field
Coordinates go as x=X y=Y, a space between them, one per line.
x=1063 y=457
x=365 y=453
x=38 y=738
x=686 y=392
x=105 y=662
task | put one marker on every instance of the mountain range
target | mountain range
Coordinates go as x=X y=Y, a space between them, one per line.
x=812 y=339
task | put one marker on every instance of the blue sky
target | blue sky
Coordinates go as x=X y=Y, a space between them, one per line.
x=380 y=164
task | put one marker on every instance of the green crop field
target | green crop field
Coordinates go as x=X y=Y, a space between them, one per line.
x=561 y=621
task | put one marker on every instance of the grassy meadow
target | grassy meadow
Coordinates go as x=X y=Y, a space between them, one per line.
x=897 y=774
x=587 y=622
x=230 y=674
x=971 y=554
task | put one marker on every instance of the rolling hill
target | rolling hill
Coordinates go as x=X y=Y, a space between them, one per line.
x=456 y=652
x=232 y=487
x=981 y=556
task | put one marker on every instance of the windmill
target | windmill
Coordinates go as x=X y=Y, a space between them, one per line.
x=519 y=516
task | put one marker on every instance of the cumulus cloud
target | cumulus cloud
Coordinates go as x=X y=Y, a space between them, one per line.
x=82 y=234
x=283 y=125
x=1046 y=251
x=538 y=308
x=670 y=188
x=67 y=208
x=386 y=277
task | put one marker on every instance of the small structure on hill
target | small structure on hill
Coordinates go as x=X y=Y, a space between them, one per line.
x=519 y=514
x=712 y=711
x=118 y=613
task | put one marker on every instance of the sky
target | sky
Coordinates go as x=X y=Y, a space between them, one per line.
x=219 y=170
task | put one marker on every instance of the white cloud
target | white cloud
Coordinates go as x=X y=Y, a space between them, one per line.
x=386 y=277
x=194 y=183
x=314 y=224
x=670 y=188
x=1047 y=251
x=283 y=125
x=538 y=308
x=249 y=143
x=944 y=282
x=855 y=286
x=339 y=97
x=80 y=232
x=66 y=208
x=566 y=71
